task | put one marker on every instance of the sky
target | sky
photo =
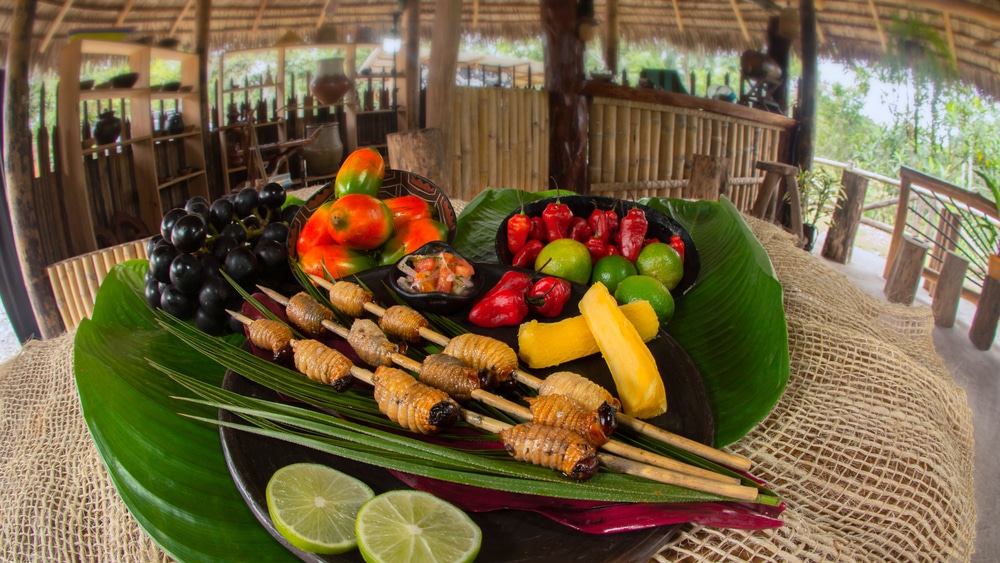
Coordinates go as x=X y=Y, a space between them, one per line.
x=875 y=102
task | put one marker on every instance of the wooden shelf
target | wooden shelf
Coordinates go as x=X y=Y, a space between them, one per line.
x=180 y=179
x=116 y=144
x=240 y=89
x=111 y=93
x=194 y=133
x=177 y=94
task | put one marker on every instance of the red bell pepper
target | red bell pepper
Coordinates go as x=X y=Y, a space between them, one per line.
x=599 y=249
x=512 y=279
x=633 y=231
x=526 y=257
x=557 y=217
x=579 y=229
x=507 y=307
x=548 y=296
x=598 y=222
x=677 y=244
x=537 y=229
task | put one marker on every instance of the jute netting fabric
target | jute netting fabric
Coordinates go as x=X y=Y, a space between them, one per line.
x=871 y=445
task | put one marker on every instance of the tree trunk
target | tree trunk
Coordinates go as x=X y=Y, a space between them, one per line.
x=568 y=113
x=948 y=289
x=984 y=323
x=906 y=271
x=709 y=175
x=806 y=138
x=846 y=218
x=418 y=151
x=441 y=79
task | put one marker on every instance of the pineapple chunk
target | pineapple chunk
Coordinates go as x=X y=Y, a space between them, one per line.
x=639 y=384
x=541 y=345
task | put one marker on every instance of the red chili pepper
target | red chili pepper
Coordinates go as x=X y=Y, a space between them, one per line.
x=598 y=222
x=649 y=241
x=579 y=229
x=612 y=220
x=548 y=296
x=518 y=228
x=526 y=257
x=557 y=217
x=507 y=307
x=537 y=229
x=633 y=230
x=598 y=249
x=518 y=281
x=677 y=244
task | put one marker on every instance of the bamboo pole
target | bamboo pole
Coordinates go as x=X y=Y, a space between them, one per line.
x=62 y=303
x=475 y=186
x=667 y=145
x=492 y=135
x=596 y=141
x=622 y=143
x=483 y=138
x=655 y=125
x=635 y=148
x=537 y=142
x=610 y=144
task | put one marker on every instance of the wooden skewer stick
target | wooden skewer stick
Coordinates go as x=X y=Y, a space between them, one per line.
x=616 y=463
x=712 y=454
x=614 y=446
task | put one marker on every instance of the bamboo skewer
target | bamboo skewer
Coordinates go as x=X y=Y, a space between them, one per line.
x=614 y=446
x=686 y=444
x=622 y=465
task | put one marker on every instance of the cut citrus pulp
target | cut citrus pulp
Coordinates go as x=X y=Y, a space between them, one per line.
x=415 y=527
x=314 y=506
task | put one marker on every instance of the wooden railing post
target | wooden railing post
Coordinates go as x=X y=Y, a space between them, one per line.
x=905 y=184
x=846 y=218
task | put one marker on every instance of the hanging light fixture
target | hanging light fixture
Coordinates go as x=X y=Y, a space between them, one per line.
x=393 y=42
x=585 y=21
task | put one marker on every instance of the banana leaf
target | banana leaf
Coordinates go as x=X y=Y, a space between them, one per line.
x=170 y=470
x=731 y=323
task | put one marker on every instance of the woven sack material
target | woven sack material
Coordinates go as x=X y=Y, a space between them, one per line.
x=57 y=502
x=871 y=444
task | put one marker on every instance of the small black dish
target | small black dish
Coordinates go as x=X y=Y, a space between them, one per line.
x=170 y=86
x=87 y=84
x=126 y=80
x=435 y=301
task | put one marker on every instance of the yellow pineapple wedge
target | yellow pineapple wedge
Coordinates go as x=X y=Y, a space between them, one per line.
x=640 y=387
x=542 y=345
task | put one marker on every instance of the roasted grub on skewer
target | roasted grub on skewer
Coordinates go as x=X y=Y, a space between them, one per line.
x=271 y=335
x=589 y=394
x=350 y=298
x=370 y=343
x=323 y=364
x=411 y=404
x=403 y=322
x=550 y=446
x=452 y=376
x=566 y=412
x=483 y=352
x=307 y=313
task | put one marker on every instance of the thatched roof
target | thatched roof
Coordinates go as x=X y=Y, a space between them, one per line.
x=849 y=29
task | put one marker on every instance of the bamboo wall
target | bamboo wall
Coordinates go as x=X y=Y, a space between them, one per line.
x=641 y=149
x=501 y=140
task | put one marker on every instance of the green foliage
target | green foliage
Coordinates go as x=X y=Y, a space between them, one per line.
x=817 y=190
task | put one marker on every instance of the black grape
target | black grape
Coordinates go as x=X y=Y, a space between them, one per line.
x=210 y=323
x=189 y=234
x=216 y=294
x=236 y=231
x=159 y=262
x=148 y=277
x=224 y=245
x=212 y=265
x=246 y=201
x=241 y=264
x=198 y=207
x=221 y=213
x=175 y=302
x=153 y=294
x=152 y=242
x=272 y=195
x=251 y=222
x=271 y=255
x=235 y=325
x=277 y=232
x=289 y=212
x=187 y=273
x=194 y=200
x=167 y=223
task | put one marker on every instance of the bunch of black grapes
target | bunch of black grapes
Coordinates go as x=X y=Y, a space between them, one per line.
x=242 y=234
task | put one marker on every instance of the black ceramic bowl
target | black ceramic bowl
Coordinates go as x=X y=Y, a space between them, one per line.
x=395 y=183
x=660 y=226
x=126 y=80
x=435 y=301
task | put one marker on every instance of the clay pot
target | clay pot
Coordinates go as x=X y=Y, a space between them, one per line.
x=324 y=153
x=330 y=83
x=108 y=128
x=175 y=125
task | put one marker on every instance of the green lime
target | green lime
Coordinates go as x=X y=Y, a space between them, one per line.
x=661 y=261
x=565 y=258
x=314 y=506
x=415 y=527
x=646 y=288
x=611 y=270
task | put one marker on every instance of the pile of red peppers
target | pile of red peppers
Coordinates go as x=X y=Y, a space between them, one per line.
x=603 y=233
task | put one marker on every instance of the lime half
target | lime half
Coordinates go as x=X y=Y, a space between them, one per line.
x=415 y=527
x=314 y=507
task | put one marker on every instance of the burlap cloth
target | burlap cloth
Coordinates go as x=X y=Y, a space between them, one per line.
x=871 y=445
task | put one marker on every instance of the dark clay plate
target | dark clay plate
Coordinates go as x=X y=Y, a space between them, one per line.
x=508 y=535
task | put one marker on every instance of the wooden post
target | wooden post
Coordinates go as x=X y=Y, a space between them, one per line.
x=902 y=208
x=201 y=48
x=984 y=322
x=611 y=38
x=418 y=151
x=20 y=172
x=846 y=218
x=568 y=114
x=948 y=289
x=441 y=78
x=412 y=66
x=709 y=175
x=806 y=138
x=906 y=271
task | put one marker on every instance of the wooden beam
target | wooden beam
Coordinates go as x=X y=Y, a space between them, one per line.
x=202 y=17
x=961 y=8
x=677 y=14
x=55 y=25
x=411 y=70
x=441 y=78
x=475 y=14
x=611 y=41
x=322 y=14
x=20 y=172
x=568 y=110
x=180 y=17
x=739 y=19
x=125 y=12
x=951 y=38
x=878 y=26
x=260 y=15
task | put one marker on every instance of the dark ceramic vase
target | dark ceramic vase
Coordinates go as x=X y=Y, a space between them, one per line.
x=175 y=125
x=108 y=128
x=330 y=83
x=324 y=153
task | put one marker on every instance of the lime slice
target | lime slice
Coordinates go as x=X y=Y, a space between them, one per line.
x=314 y=507
x=415 y=527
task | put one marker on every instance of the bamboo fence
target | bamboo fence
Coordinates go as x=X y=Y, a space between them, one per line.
x=640 y=149
x=501 y=140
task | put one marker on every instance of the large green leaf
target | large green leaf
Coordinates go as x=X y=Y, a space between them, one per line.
x=731 y=323
x=169 y=470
